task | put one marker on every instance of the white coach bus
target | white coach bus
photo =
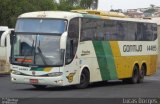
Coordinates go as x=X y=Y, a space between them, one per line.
x=66 y=48
x=5 y=49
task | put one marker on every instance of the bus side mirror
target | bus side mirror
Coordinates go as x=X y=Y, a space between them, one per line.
x=63 y=41
x=12 y=37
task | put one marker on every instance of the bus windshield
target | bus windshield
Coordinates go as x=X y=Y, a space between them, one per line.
x=38 y=44
x=40 y=25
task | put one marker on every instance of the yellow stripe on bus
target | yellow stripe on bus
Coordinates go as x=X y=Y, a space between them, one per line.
x=48 y=69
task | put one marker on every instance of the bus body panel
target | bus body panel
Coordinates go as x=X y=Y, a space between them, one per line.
x=126 y=61
x=87 y=57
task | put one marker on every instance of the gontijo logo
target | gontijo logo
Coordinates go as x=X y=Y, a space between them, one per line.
x=132 y=48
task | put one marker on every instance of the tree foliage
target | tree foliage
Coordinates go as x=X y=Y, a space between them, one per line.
x=86 y=3
x=151 y=10
x=11 y=9
x=71 y=4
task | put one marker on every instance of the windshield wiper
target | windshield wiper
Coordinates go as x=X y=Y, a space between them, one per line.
x=42 y=56
x=40 y=52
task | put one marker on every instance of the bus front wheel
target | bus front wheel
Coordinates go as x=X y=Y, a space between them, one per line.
x=135 y=76
x=84 y=79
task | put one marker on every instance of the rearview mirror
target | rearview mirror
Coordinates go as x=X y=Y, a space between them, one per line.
x=11 y=37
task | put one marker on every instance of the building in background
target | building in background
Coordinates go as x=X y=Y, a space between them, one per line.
x=152 y=11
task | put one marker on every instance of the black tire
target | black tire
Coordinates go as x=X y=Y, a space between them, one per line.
x=84 y=79
x=126 y=80
x=40 y=86
x=142 y=74
x=135 y=76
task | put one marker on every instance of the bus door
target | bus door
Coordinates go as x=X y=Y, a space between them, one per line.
x=71 y=59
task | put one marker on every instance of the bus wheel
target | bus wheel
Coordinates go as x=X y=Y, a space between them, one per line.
x=84 y=79
x=135 y=75
x=40 y=86
x=125 y=80
x=142 y=74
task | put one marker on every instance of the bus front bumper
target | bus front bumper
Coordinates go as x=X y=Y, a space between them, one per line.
x=33 y=80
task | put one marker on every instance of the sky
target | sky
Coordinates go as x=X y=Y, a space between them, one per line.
x=126 y=4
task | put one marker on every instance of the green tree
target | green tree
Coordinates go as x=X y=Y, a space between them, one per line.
x=5 y=10
x=11 y=9
x=64 y=5
x=151 y=10
x=87 y=3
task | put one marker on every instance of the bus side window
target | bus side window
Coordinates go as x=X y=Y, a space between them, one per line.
x=154 y=30
x=88 y=29
x=5 y=42
x=1 y=32
x=139 y=31
x=72 y=40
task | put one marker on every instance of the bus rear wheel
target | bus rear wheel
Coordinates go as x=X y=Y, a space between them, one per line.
x=142 y=74
x=84 y=79
x=40 y=86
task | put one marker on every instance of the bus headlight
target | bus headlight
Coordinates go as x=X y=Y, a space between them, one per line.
x=55 y=74
x=16 y=72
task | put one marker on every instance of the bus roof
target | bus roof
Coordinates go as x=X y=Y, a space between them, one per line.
x=157 y=20
x=133 y=20
x=3 y=28
x=73 y=14
x=51 y=14
x=101 y=13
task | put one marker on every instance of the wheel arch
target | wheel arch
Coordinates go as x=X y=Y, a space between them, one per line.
x=135 y=64
x=85 y=67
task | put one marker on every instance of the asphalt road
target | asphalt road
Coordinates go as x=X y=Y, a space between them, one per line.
x=111 y=89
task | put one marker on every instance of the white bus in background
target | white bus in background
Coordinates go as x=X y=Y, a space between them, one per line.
x=5 y=49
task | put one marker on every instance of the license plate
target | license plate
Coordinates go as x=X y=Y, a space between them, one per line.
x=34 y=81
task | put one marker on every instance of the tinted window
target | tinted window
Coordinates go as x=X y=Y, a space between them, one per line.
x=1 y=32
x=0 y=36
x=154 y=29
x=110 y=30
x=89 y=27
x=146 y=32
x=131 y=31
x=114 y=30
